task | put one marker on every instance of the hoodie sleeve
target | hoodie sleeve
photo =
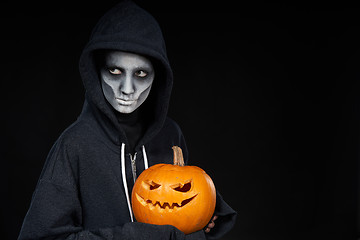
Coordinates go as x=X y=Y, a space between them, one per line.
x=226 y=219
x=56 y=211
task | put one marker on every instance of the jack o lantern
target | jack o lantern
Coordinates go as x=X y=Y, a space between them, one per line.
x=178 y=195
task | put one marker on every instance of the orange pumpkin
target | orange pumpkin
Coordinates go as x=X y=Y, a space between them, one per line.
x=178 y=195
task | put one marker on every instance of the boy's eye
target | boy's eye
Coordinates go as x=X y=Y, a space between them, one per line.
x=114 y=71
x=141 y=73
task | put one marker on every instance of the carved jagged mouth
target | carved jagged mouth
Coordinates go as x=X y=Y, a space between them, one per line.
x=163 y=205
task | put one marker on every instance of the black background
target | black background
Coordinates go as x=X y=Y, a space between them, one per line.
x=267 y=96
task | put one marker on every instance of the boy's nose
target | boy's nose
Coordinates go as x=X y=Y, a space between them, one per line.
x=127 y=87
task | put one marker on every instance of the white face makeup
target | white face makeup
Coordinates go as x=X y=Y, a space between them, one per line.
x=126 y=80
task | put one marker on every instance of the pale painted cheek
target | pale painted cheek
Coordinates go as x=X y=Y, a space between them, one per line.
x=109 y=91
x=144 y=94
x=141 y=88
x=112 y=86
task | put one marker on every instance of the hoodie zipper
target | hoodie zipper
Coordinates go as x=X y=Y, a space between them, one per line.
x=123 y=173
x=133 y=165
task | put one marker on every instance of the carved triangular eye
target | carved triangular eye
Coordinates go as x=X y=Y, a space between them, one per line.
x=182 y=187
x=151 y=184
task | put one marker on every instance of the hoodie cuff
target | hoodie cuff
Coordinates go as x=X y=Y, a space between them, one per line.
x=225 y=221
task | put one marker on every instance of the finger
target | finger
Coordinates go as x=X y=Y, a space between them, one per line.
x=215 y=217
x=207 y=230
x=211 y=225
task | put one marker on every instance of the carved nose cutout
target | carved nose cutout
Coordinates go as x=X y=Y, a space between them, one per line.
x=182 y=187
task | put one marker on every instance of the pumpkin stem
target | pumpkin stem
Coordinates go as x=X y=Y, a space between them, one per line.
x=178 y=156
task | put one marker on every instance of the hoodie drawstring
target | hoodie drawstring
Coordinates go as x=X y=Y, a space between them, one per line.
x=124 y=179
x=145 y=158
x=123 y=173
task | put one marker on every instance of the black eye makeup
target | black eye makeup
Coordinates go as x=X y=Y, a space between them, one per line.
x=114 y=70
x=141 y=73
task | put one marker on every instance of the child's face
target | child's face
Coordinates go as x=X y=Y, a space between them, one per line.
x=126 y=80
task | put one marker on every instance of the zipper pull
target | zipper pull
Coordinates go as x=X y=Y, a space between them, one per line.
x=133 y=165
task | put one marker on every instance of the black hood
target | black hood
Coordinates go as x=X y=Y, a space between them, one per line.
x=127 y=27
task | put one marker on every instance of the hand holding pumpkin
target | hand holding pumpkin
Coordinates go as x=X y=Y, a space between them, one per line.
x=178 y=195
x=211 y=225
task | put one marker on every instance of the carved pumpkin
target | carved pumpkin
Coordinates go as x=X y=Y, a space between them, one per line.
x=178 y=195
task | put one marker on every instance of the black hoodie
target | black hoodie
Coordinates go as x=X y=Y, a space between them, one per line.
x=84 y=188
